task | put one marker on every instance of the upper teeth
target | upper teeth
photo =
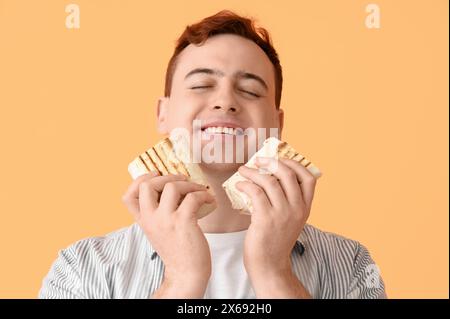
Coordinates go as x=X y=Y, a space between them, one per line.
x=225 y=130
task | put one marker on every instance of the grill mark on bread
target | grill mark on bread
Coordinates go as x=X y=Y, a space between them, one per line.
x=167 y=148
x=286 y=151
x=290 y=153
x=143 y=162
x=161 y=157
x=159 y=164
x=165 y=158
x=282 y=149
x=182 y=166
x=298 y=157
x=148 y=160
x=305 y=162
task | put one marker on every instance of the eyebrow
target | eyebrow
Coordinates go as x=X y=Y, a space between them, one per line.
x=238 y=74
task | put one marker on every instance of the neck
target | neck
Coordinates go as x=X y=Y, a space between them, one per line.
x=224 y=219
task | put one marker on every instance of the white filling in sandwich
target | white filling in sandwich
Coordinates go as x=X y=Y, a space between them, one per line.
x=274 y=148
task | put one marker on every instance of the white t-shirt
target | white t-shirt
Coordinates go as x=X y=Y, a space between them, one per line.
x=229 y=278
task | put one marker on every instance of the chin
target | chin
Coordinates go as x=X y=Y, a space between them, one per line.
x=220 y=167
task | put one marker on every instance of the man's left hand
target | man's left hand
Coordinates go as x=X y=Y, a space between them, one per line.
x=281 y=205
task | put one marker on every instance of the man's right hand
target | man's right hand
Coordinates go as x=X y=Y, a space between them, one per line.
x=165 y=208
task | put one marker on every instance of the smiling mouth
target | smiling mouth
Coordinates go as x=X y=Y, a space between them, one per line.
x=223 y=131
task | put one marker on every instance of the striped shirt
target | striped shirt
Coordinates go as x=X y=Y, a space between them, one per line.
x=123 y=264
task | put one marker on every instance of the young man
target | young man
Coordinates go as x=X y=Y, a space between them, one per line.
x=225 y=73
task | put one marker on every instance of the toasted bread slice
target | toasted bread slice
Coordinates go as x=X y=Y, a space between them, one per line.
x=274 y=148
x=162 y=158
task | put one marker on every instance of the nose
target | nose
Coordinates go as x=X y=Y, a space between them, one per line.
x=226 y=101
x=231 y=108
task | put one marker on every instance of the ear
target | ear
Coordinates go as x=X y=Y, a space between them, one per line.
x=161 y=115
x=281 y=120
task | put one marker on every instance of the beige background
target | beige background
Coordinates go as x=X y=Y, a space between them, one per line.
x=367 y=106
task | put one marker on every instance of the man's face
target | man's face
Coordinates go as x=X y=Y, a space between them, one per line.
x=227 y=79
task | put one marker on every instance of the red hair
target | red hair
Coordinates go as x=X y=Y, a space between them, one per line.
x=226 y=22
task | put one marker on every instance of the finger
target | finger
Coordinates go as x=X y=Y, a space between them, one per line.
x=174 y=192
x=257 y=195
x=131 y=196
x=306 y=179
x=267 y=182
x=287 y=178
x=133 y=189
x=150 y=190
x=192 y=203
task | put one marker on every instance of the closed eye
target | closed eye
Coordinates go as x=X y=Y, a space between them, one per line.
x=251 y=93
x=201 y=87
x=210 y=86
